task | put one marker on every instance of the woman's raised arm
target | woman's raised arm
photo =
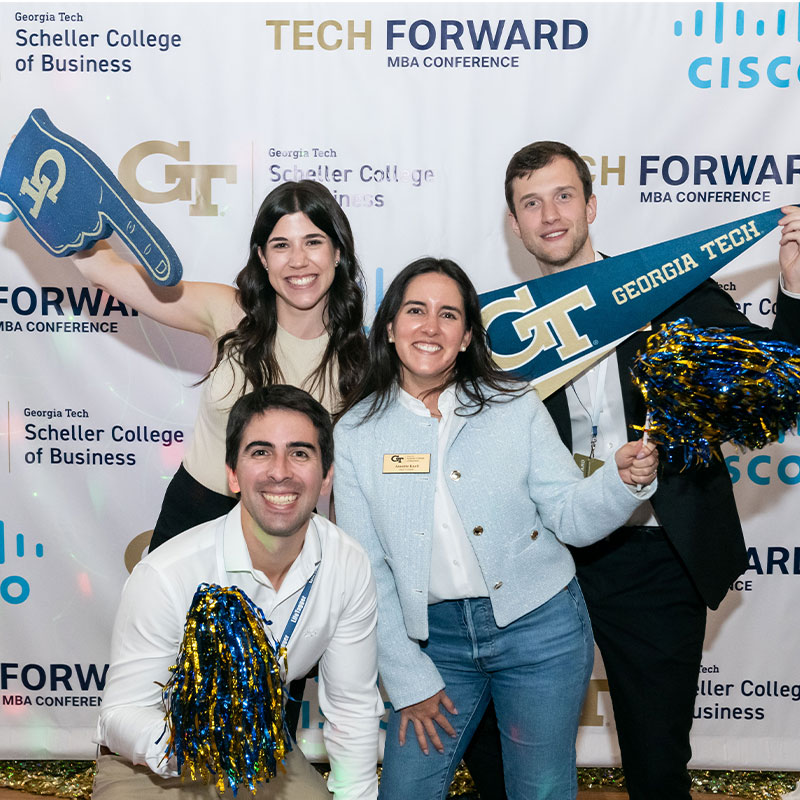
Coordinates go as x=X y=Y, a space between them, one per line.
x=210 y=309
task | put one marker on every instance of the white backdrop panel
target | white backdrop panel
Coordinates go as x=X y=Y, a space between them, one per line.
x=415 y=150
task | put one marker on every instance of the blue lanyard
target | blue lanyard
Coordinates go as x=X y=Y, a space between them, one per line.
x=281 y=646
x=295 y=615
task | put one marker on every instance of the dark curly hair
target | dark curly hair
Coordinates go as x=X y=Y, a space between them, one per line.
x=252 y=342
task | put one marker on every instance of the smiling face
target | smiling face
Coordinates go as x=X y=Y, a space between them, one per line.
x=552 y=216
x=279 y=474
x=429 y=331
x=300 y=260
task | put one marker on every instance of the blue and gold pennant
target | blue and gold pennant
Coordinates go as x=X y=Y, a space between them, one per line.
x=549 y=329
x=69 y=199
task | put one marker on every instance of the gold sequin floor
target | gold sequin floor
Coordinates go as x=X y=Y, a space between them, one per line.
x=32 y=780
x=588 y=794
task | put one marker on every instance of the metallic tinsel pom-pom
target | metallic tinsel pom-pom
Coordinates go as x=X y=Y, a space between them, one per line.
x=706 y=386
x=224 y=701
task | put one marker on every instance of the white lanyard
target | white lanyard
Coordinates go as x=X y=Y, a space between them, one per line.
x=597 y=403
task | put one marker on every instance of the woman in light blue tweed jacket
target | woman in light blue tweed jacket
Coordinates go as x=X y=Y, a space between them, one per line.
x=455 y=481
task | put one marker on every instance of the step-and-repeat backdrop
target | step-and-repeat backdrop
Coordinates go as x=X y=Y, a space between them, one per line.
x=408 y=113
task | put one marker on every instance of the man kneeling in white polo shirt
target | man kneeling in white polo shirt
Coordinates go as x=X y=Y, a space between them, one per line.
x=279 y=455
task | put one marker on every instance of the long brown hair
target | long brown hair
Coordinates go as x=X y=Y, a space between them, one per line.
x=477 y=378
x=252 y=342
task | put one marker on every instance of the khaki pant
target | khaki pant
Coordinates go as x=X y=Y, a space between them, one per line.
x=118 y=779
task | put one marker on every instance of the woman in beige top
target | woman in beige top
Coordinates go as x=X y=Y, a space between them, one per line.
x=295 y=316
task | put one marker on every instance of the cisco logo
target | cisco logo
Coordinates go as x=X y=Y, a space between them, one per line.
x=762 y=468
x=14 y=589
x=726 y=28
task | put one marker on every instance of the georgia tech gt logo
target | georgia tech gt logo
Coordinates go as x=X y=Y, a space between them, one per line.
x=183 y=175
x=137 y=549
x=590 y=713
x=40 y=187
x=546 y=327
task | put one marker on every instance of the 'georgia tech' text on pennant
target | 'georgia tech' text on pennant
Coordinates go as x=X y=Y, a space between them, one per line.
x=549 y=329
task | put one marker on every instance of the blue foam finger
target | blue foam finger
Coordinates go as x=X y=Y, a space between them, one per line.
x=69 y=199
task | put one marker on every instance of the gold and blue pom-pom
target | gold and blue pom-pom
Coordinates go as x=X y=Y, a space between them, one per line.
x=706 y=386
x=224 y=701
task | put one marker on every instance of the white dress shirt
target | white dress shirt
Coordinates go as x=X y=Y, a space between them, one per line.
x=336 y=629
x=595 y=398
x=455 y=572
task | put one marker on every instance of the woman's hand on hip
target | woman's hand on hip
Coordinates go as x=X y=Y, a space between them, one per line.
x=423 y=715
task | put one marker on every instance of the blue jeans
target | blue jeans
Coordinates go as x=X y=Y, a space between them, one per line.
x=536 y=670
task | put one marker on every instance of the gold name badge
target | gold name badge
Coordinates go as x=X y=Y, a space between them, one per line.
x=588 y=465
x=400 y=463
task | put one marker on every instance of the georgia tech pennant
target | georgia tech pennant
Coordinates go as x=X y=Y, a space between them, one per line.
x=69 y=199
x=549 y=329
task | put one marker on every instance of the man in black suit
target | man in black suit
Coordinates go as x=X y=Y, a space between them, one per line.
x=649 y=584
